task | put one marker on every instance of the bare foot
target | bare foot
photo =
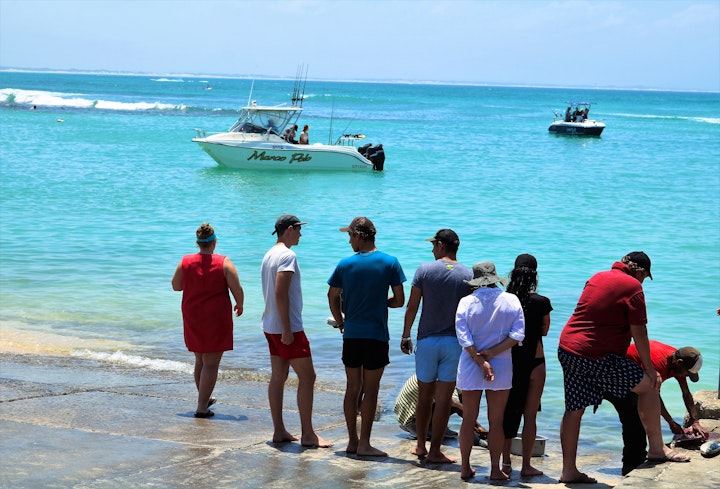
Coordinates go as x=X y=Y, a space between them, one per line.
x=283 y=437
x=439 y=458
x=419 y=452
x=370 y=452
x=577 y=477
x=530 y=471
x=315 y=441
x=498 y=475
x=467 y=474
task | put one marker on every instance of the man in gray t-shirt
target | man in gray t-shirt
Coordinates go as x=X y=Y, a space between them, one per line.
x=440 y=285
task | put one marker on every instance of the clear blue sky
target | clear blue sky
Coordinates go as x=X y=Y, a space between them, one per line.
x=629 y=44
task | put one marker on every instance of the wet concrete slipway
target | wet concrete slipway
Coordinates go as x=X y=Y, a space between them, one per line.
x=74 y=423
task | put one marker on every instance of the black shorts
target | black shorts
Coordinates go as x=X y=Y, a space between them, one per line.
x=587 y=380
x=365 y=352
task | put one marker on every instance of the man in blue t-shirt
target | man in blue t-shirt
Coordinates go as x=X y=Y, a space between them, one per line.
x=440 y=285
x=359 y=302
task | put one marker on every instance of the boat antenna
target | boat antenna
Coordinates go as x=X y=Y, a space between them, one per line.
x=332 y=114
x=252 y=85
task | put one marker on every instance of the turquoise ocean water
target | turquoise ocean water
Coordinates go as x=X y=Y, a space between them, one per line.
x=97 y=210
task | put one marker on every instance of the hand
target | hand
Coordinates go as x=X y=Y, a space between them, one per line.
x=677 y=429
x=287 y=338
x=406 y=346
x=655 y=379
x=488 y=372
x=698 y=429
x=238 y=310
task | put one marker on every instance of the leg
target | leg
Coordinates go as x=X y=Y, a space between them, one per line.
x=423 y=410
x=532 y=404
x=276 y=387
x=350 y=405
x=633 y=433
x=506 y=460
x=496 y=401
x=370 y=389
x=305 y=371
x=443 y=394
x=569 y=436
x=198 y=370
x=210 y=363
x=649 y=411
x=471 y=407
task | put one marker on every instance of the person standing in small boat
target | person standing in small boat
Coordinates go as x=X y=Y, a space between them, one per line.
x=204 y=279
x=528 y=364
x=304 y=135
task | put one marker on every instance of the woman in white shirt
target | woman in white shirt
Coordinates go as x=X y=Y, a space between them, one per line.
x=488 y=323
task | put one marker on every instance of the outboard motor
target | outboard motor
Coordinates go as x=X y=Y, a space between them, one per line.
x=376 y=155
x=363 y=150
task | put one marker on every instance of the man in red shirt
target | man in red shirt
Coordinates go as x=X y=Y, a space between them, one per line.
x=668 y=362
x=593 y=343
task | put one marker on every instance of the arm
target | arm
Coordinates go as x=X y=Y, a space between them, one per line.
x=177 y=278
x=642 y=344
x=695 y=426
x=233 y=282
x=466 y=340
x=398 y=297
x=674 y=426
x=335 y=302
x=410 y=313
x=545 y=324
x=499 y=348
x=282 y=300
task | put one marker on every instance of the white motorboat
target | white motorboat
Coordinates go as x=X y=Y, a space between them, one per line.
x=575 y=122
x=256 y=142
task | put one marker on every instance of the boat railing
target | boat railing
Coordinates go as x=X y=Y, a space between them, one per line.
x=349 y=139
x=200 y=132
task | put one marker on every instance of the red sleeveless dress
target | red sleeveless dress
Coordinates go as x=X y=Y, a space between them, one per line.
x=206 y=307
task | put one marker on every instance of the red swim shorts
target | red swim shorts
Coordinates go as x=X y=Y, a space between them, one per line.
x=299 y=348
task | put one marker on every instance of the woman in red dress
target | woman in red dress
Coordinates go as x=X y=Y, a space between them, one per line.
x=204 y=279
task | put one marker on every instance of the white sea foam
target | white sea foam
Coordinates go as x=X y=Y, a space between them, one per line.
x=121 y=358
x=708 y=120
x=54 y=99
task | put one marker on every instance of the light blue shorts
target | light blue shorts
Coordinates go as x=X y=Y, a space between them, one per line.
x=436 y=358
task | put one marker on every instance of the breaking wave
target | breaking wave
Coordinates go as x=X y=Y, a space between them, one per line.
x=121 y=358
x=39 y=98
x=707 y=120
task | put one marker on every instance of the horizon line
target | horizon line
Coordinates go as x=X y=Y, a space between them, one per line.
x=71 y=71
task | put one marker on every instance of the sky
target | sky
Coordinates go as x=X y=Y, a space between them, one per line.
x=662 y=44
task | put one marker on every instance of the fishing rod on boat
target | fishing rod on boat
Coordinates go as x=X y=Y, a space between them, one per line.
x=332 y=114
x=300 y=81
x=302 y=97
x=252 y=85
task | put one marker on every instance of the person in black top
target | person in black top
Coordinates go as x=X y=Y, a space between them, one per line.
x=528 y=360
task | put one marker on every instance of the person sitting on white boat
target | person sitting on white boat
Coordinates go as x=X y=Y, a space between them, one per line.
x=289 y=134
x=568 y=114
x=304 y=136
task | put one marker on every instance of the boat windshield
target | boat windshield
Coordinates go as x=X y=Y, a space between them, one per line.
x=265 y=119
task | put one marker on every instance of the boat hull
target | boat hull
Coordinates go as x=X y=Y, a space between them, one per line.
x=283 y=156
x=587 y=128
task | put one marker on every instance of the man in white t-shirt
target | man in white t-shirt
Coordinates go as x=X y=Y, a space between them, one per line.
x=283 y=328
